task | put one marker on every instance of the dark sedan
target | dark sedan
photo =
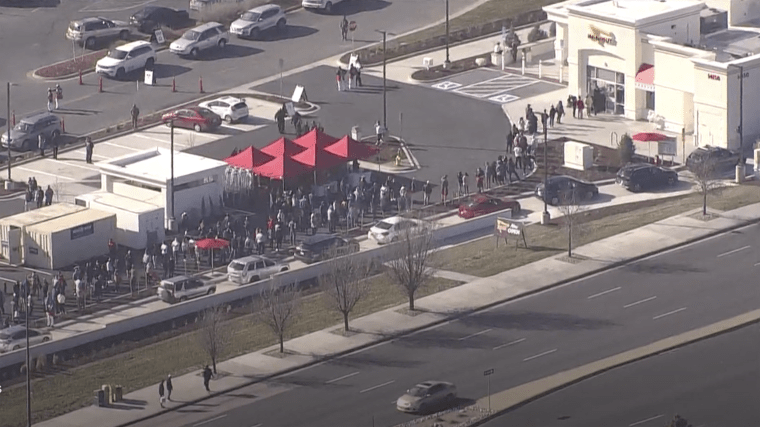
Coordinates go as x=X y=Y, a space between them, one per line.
x=198 y=118
x=709 y=160
x=151 y=18
x=565 y=189
x=482 y=205
x=645 y=176
x=323 y=246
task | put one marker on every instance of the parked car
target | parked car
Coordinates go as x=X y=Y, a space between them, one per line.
x=392 y=229
x=88 y=32
x=645 y=176
x=150 y=18
x=229 y=108
x=127 y=58
x=426 y=396
x=182 y=288
x=564 y=189
x=482 y=204
x=257 y=20
x=25 y=135
x=319 y=247
x=199 y=5
x=719 y=159
x=326 y=6
x=14 y=338
x=211 y=35
x=197 y=118
x=253 y=268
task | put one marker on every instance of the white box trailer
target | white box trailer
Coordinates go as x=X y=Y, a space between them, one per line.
x=13 y=228
x=63 y=241
x=138 y=223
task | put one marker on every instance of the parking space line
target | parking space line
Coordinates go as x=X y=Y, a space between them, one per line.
x=645 y=421
x=377 y=386
x=539 y=355
x=669 y=313
x=639 y=302
x=475 y=334
x=71 y=162
x=498 y=347
x=43 y=173
x=119 y=146
x=234 y=127
x=334 y=380
x=208 y=421
x=150 y=138
x=734 y=251
x=604 y=293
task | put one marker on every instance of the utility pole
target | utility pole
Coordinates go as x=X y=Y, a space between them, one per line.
x=28 y=356
x=447 y=63
x=282 y=64
x=171 y=156
x=385 y=89
x=8 y=123
x=545 y=217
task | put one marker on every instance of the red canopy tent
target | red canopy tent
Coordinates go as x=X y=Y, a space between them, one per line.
x=649 y=137
x=282 y=167
x=315 y=138
x=318 y=158
x=282 y=147
x=249 y=158
x=351 y=149
x=211 y=243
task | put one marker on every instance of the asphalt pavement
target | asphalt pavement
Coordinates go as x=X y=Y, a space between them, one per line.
x=712 y=383
x=522 y=341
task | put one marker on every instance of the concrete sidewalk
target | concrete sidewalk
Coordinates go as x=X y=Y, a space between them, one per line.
x=380 y=326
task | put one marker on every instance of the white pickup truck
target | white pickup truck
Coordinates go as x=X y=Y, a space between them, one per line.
x=322 y=5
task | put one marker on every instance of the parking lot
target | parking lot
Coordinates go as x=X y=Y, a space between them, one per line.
x=495 y=86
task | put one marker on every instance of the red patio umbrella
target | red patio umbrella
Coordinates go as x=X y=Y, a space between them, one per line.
x=649 y=137
x=351 y=149
x=249 y=158
x=282 y=147
x=318 y=158
x=211 y=243
x=317 y=138
x=282 y=167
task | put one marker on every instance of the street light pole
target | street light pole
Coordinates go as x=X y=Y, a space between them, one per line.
x=28 y=358
x=385 y=88
x=545 y=217
x=447 y=63
x=171 y=147
x=8 y=123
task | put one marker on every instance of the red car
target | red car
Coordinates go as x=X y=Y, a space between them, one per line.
x=198 y=118
x=481 y=205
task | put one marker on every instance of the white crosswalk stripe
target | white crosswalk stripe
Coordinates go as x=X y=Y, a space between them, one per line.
x=493 y=87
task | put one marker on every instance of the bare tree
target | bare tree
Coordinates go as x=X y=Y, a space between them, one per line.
x=706 y=178
x=277 y=307
x=571 y=211
x=344 y=283
x=214 y=335
x=410 y=262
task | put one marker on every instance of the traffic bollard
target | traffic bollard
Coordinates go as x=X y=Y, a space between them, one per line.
x=200 y=83
x=80 y=78
x=174 y=84
x=100 y=85
x=63 y=126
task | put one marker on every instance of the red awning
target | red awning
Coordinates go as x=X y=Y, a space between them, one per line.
x=318 y=158
x=645 y=77
x=350 y=149
x=249 y=158
x=211 y=243
x=282 y=147
x=282 y=167
x=315 y=138
x=649 y=137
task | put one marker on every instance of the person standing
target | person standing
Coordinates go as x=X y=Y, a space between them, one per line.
x=28 y=200
x=58 y=95
x=135 y=114
x=41 y=144
x=358 y=67
x=169 y=387
x=161 y=394
x=444 y=189
x=55 y=140
x=40 y=197
x=88 y=148
x=571 y=102
x=580 y=107
x=50 y=310
x=344 y=28
x=339 y=78
x=589 y=105
x=50 y=99
x=552 y=115
x=48 y=196
x=379 y=132
x=292 y=227
x=351 y=75
x=560 y=112
x=207 y=377
x=279 y=117
x=427 y=190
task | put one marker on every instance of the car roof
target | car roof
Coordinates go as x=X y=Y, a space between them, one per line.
x=252 y=258
x=206 y=26
x=175 y=279
x=320 y=238
x=91 y=19
x=230 y=99
x=395 y=219
x=637 y=166
x=264 y=8
x=34 y=118
x=428 y=384
x=132 y=45
x=13 y=329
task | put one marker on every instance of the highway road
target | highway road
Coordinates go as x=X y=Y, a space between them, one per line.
x=711 y=383
x=525 y=340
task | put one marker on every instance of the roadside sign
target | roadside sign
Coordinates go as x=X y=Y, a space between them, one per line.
x=488 y=372
x=352 y=26
x=149 y=77
x=160 y=36
x=667 y=147
x=298 y=93
x=506 y=228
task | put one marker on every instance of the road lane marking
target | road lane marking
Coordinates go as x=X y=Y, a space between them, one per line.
x=43 y=173
x=645 y=421
x=669 y=313
x=208 y=421
x=509 y=343
x=334 y=380
x=475 y=334
x=604 y=292
x=639 y=302
x=734 y=251
x=539 y=355
x=258 y=425
x=377 y=386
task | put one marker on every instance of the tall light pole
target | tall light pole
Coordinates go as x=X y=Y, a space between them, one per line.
x=385 y=90
x=282 y=64
x=8 y=123
x=545 y=217
x=447 y=63
x=171 y=181
x=28 y=356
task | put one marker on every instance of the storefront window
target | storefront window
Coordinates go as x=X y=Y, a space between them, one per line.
x=650 y=100
x=607 y=88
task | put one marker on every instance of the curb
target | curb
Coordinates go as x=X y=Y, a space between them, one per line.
x=459 y=315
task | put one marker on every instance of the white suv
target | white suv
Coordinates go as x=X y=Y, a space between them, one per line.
x=252 y=23
x=207 y=36
x=89 y=31
x=127 y=58
x=323 y=5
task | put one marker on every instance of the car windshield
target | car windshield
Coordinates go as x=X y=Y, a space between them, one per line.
x=250 y=16
x=206 y=113
x=384 y=225
x=117 y=54
x=417 y=391
x=191 y=35
x=474 y=203
x=23 y=127
x=236 y=266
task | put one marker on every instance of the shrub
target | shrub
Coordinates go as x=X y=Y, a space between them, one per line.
x=536 y=34
x=626 y=149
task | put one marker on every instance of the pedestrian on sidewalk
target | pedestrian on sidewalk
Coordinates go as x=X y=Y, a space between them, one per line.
x=207 y=377
x=560 y=112
x=351 y=76
x=427 y=190
x=358 y=67
x=41 y=144
x=339 y=78
x=344 y=28
x=88 y=148
x=50 y=310
x=169 y=387
x=279 y=117
x=292 y=228
x=48 y=196
x=55 y=140
x=512 y=170
x=460 y=184
x=580 y=107
x=444 y=188
x=571 y=102
x=379 y=132
x=39 y=197
x=552 y=115
x=28 y=200
x=2 y=303
x=161 y=397
x=135 y=114
x=58 y=95
x=466 y=184
x=589 y=105
x=50 y=100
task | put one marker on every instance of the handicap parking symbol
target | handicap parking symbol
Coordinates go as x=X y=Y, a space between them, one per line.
x=504 y=98
x=447 y=85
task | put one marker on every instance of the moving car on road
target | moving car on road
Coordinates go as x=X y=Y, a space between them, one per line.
x=25 y=135
x=88 y=32
x=392 y=229
x=14 y=338
x=182 y=288
x=645 y=176
x=151 y=18
x=320 y=5
x=257 y=20
x=427 y=396
x=127 y=58
x=321 y=246
x=482 y=205
x=253 y=268
x=715 y=159
x=204 y=37
x=229 y=108
x=197 y=118
x=565 y=189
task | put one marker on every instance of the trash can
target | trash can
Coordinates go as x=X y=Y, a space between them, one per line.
x=107 y=391
x=100 y=398
x=117 y=393
x=356 y=133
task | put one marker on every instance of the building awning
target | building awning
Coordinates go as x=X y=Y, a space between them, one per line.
x=645 y=77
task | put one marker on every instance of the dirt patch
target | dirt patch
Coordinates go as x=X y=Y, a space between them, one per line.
x=84 y=63
x=275 y=99
x=709 y=217
x=457 y=67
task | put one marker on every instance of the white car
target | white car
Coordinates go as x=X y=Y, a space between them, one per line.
x=252 y=269
x=88 y=31
x=322 y=5
x=207 y=36
x=229 y=108
x=427 y=396
x=14 y=338
x=392 y=229
x=127 y=58
x=253 y=22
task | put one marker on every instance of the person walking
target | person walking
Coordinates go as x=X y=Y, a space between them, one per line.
x=344 y=29
x=50 y=100
x=460 y=177
x=339 y=78
x=589 y=105
x=444 y=189
x=48 y=196
x=58 y=95
x=466 y=184
x=512 y=170
x=358 y=67
x=50 y=310
x=207 y=377
x=379 y=132
x=161 y=398
x=169 y=387
x=55 y=140
x=427 y=190
x=351 y=76
x=580 y=106
x=571 y=101
x=41 y=144
x=135 y=114
x=560 y=112
x=552 y=115
x=279 y=117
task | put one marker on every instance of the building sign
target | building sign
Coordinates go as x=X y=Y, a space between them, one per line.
x=506 y=228
x=34 y=251
x=82 y=231
x=713 y=77
x=667 y=147
x=602 y=37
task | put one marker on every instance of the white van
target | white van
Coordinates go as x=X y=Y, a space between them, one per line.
x=253 y=268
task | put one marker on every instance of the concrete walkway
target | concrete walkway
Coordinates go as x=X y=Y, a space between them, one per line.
x=478 y=293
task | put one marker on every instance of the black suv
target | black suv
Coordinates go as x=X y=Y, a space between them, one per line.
x=719 y=159
x=645 y=176
x=566 y=189
x=151 y=18
x=318 y=247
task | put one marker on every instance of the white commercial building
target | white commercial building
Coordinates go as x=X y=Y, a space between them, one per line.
x=138 y=223
x=690 y=66
x=13 y=229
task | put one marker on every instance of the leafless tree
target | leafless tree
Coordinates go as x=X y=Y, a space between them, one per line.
x=410 y=262
x=277 y=307
x=344 y=284
x=214 y=335
x=571 y=211
x=706 y=178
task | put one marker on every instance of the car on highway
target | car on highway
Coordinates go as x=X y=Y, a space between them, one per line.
x=253 y=268
x=229 y=108
x=482 y=205
x=327 y=6
x=182 y=288
x=563 y=189
x=25 y=135
x=211 y=35
x=197 y=118
x=257 y=20
x=427 y=396
x=127 y=58
x=322 y=246
x=151 y=18
x=714 y=159
x=88 y=32
x=392 y=229
x=14 y=338
x=645 y=176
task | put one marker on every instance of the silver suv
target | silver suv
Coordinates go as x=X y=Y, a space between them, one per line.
x=89 y=31
x=182 y=288
x=206 y=36
x=252 y=23
x=25 y=134
x=253 y=268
